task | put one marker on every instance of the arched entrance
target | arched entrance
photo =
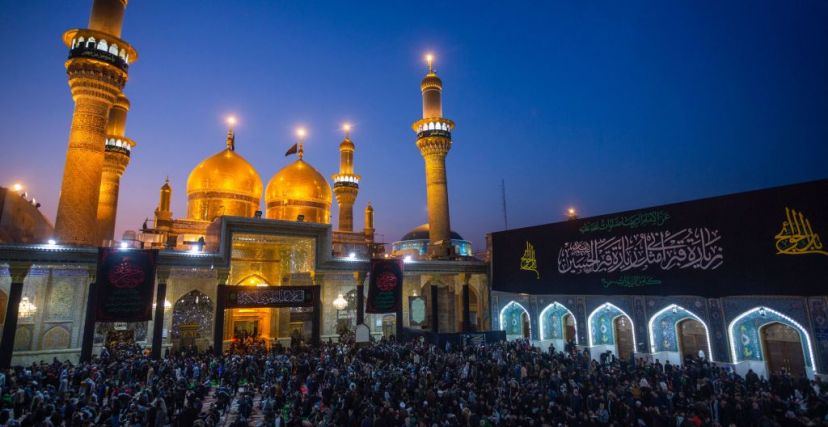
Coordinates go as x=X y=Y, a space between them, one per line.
x=514 y=319
x=677 y=333
x=783 y=349
x=557 y=326
x=624 y=343
x=768 y=341
x=692 y=338
x=389 y=325
x=611 y=329
x=570 y=328
x=192 y=318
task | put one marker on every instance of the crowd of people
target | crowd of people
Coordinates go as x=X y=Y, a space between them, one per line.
x=410 y=384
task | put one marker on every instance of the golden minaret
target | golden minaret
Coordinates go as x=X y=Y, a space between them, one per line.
x=434 y=142
x=369 y=223
x=116 y=158
x=97 y=70
x=346 y=183
x=163 y=213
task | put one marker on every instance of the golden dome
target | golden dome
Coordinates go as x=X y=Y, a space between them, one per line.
x=299 y=189
x=223 y=184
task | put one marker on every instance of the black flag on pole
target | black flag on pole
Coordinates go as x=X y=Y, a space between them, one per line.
x=292 y=150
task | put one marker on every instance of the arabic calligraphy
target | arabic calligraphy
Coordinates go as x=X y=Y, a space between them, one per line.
x=634 y=281
x=528 y=261
x=797 y=237
x=126 y=275
x=643 y=219
x=265 y=297
x=694 y=248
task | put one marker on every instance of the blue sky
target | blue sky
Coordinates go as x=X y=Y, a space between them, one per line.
x=604 y=106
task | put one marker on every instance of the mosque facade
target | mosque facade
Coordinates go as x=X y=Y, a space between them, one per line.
x=738 y=279
x=237 y=231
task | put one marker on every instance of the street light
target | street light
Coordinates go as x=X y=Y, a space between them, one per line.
x=571 y=213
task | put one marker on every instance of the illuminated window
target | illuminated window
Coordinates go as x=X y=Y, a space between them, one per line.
x=102 y=45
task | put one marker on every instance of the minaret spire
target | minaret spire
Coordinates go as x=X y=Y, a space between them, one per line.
x=346 y=183
x=434 y=143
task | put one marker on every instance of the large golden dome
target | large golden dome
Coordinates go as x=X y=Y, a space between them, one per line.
x=299 y=189
x=223 y=184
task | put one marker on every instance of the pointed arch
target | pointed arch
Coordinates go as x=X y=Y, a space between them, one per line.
x=681 y=315
x=193 y=308
x=609 y=306
x=767 y=316
x=252 y=280
x=556 y=305
x=514 y=305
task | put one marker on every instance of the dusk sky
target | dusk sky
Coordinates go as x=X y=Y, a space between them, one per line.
x=604 y=106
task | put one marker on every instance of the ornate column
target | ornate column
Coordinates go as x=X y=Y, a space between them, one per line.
x=89 y=324
x=435 y=310
x=18 y=274
x=359 y=277
x=316 y=324
x=466 y=314
x=163 y=274
x=221 y=300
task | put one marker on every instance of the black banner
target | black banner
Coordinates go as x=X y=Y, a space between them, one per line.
x=125 y=284
x=766 y=242
x=268 y=296
x=385 y=287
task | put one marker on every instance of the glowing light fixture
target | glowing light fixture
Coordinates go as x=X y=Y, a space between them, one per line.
x=407 y=258
x=352 y=256
x=124 y=245
x=26 y=308
x=301 y=132
x=339 y=303
x=52 y=242
x=17 y=187
x=231 y=121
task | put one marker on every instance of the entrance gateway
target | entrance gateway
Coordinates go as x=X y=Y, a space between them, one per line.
x=266 y=297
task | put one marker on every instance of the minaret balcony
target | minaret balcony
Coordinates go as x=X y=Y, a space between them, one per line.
x=437 y=126
x=119 y=144
x=346 y=180
x=85 y=43
x=95 y=53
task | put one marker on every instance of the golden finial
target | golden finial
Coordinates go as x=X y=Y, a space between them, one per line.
x=430 y=61
x=231 y=138
x=300 y=133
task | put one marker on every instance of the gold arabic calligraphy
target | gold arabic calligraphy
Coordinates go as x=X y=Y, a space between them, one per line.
x=528 y=261
x=797 y=237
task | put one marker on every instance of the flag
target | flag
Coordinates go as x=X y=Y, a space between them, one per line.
x=292 y=150
x=385 y=287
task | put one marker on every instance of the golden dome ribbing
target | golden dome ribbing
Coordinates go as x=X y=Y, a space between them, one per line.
x=223 y=184
x=299 y=189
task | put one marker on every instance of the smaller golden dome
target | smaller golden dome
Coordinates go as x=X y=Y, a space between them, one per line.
x=299 y=189
x=223 y=184
x=431 y=81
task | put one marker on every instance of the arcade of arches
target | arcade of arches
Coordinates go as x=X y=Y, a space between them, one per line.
x=761 y=334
